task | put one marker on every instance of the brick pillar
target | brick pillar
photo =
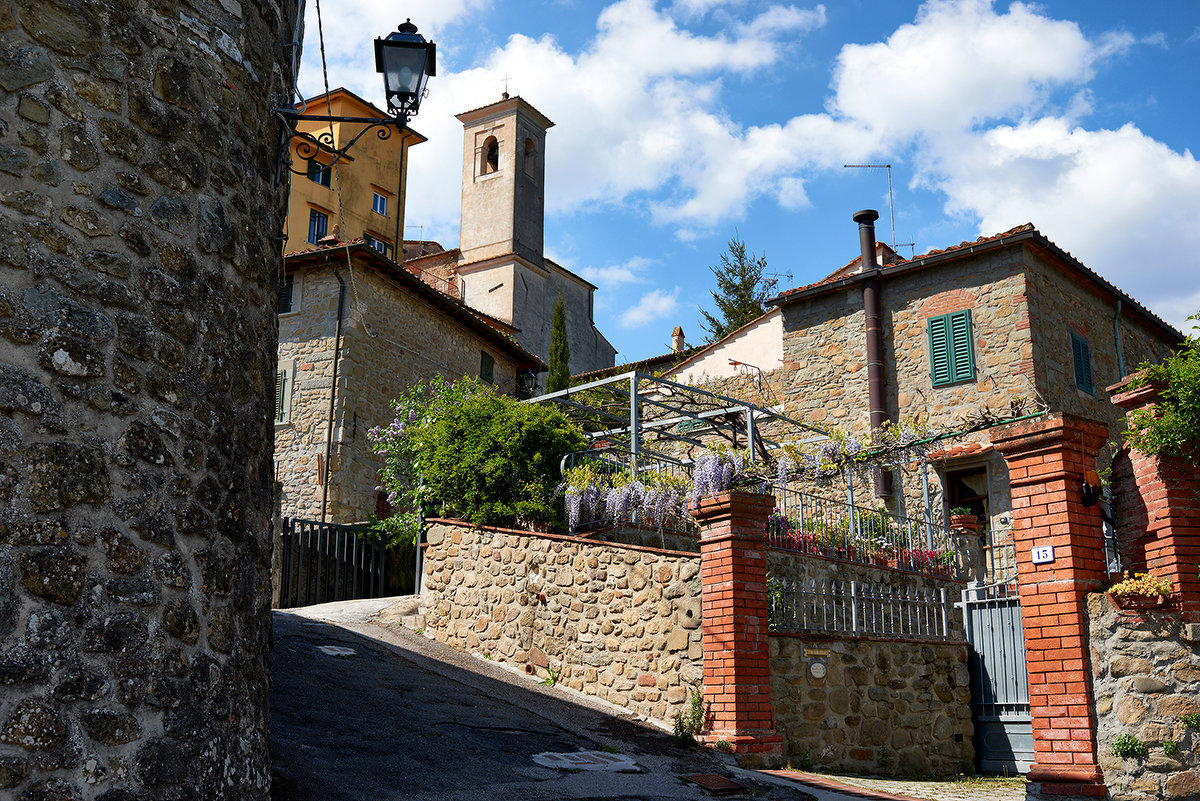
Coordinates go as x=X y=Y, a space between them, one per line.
x=737 y=672
x=1046 y=461
x=1164 y=498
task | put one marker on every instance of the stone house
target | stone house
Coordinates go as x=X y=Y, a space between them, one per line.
x=355 y=330
x=980 y=323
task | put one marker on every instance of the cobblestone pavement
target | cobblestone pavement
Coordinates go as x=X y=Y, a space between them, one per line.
x=971 y=789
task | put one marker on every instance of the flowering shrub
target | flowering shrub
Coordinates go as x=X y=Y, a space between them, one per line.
x=461 y=448
x=1142 y=584
x=721 y=470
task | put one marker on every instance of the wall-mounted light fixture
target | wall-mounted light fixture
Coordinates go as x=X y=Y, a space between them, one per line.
x=407 y=61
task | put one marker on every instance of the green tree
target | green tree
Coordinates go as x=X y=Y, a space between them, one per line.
x=741 y=290
x=1171 y=427
x=559 y=376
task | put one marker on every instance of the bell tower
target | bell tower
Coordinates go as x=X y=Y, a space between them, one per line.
x=503 y=182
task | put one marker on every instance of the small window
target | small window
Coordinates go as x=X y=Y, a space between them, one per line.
x=1082 y=354
x=487 y=367
x=318 y=173
x=530 y=157
x=285 y=294
x=951 y=353
x=318 y=224
x=379 y=204
x=283 y=391
x=489 y=156
x=381 y=245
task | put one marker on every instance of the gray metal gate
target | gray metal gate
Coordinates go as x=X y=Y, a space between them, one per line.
x=999 y=679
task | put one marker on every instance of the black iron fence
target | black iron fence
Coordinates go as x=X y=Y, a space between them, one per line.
x=324 y=562
x=810 y=524
x=859 y=609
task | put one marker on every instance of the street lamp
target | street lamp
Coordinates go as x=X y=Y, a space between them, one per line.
x=406 y=61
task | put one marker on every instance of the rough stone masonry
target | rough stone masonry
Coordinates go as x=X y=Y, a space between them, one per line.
x=138 y=291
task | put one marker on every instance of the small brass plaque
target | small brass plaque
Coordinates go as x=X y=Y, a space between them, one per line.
x=816 y=652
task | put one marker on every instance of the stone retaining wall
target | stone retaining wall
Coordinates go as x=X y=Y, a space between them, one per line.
x=882 y=706
x=620 y=622
x=1146 y=677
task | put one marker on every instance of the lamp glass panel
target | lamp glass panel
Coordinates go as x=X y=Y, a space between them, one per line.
x=403 y=69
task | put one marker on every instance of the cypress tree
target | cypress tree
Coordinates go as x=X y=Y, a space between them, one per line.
x=559 y=376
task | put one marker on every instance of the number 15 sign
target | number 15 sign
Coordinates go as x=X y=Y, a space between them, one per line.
x=1043 y=554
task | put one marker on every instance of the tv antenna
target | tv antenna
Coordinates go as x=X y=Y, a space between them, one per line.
x=891 y=201
x=791 y=278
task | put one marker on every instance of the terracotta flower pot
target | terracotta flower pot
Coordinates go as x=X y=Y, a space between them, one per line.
x=1137 y=602
x=968 y=522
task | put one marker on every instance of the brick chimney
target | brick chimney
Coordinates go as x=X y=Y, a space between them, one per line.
x=677 y=343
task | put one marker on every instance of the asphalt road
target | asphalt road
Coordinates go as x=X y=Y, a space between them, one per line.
x=396 y=717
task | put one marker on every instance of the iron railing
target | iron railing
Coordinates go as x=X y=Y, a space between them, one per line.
x=841 y=530
x=858 y=608
x=324 y=562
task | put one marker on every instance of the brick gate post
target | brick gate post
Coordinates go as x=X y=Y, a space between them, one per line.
x=1162 y=507
x=733 y=575
x=1046 y=461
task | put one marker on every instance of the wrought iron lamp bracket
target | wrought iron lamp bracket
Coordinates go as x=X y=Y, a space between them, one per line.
x=310 y=145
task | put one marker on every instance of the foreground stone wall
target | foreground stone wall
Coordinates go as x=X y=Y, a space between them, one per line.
x=619 y=622
x=138 y=283
x=1146 y=679
x=880 y=705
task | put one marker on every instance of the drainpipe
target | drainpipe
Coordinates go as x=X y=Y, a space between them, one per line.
x=1117 y=337
x=337 y=352
x=873 y=311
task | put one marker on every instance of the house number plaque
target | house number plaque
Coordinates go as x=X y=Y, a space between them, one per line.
x=817 y=669
x=1043 y=554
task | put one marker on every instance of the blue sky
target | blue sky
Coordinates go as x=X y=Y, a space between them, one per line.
x=680 y=123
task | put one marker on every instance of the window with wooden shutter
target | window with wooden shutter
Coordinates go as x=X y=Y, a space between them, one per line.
x=951 y=352
x=281 y=396
x=1082 y=355
x=285 y=294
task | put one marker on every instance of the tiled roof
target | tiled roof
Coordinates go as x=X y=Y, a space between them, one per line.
x=1021 y=233
x=651 y=362
x=477 y=321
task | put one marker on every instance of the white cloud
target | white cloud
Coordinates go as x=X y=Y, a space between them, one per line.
x=637 y=109
x=652 y=307
x=631 y=272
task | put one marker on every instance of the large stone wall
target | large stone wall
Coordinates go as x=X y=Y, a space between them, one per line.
x=618 y=622
x=138 y=286
x=390 y=340
x=884 y=705
x=1146 y=677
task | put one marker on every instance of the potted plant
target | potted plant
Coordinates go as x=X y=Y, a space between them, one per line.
x=1141 y=591
x=962 y=517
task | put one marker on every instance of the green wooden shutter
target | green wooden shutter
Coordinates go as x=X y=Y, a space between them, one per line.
x=280 y=394
x=285 y=295
x=961 y=346
x=951 y=350
x=1082 y=354
x=939 y=351
x=486 y=367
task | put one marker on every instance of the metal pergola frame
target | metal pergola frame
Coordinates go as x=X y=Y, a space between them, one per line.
x=634 y=409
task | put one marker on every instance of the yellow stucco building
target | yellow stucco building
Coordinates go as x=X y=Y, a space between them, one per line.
x=371 y=179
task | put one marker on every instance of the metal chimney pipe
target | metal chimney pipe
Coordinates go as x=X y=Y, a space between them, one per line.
x=873 y=311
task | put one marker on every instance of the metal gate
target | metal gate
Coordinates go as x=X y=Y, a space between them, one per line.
x=328 y=562
x=999 y=679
